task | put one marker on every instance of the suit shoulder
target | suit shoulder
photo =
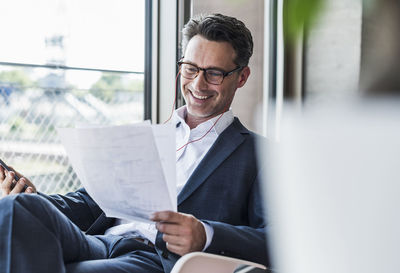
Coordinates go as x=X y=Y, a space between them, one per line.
x=247 y=133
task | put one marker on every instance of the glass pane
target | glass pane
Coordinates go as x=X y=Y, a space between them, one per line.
x=100 y=34
x=95 y=34
x=35 y=101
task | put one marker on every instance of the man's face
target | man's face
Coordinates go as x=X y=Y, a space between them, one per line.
x=205 y=100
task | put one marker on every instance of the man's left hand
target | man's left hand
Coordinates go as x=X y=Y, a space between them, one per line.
x=183 y=233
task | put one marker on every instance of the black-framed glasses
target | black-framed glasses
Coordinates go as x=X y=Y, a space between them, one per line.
x=212 y=75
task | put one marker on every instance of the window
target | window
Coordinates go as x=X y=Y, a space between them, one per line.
x=65 y=63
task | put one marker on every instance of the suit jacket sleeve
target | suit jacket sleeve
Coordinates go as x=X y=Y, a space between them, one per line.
x=243 y=242
x=78 y=206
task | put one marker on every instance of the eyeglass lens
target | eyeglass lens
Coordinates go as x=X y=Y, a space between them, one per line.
x=211 y=75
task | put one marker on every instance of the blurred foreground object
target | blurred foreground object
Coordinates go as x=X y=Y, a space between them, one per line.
x=333 y=190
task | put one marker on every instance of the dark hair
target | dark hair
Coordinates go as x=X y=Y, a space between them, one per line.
x=221 y=28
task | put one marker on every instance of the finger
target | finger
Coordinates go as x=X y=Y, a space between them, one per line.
x=168 y=228
x=17 y=173
x=174 y=239
x=2 y=174
x=29 y=190
x=19 y=187
x=7 y=183
x=186 y=242
x=175 y=249
x=26 y=180
x=166 y=216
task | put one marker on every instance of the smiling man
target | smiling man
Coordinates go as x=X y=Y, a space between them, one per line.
x=219 y=202
x=211 y=92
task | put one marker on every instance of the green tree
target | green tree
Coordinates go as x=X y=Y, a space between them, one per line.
x=110 y=83
x=15 y=77
x=136 y=85
x=106 y=86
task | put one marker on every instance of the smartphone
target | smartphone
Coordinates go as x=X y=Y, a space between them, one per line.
x=16 y=177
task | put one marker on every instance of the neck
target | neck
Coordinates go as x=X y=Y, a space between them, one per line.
x=193 y=122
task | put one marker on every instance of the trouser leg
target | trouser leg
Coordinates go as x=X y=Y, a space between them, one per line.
x=126 y=256
x=36 y=237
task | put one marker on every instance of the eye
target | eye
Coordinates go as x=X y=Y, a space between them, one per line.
x=214 y=73
x=190 y=69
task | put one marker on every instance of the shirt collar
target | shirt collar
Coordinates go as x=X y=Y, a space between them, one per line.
x=226 y=119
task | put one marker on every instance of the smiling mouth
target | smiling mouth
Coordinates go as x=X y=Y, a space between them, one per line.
x=198 y=96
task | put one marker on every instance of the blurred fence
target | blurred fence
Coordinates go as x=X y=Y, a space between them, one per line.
x=29 y=117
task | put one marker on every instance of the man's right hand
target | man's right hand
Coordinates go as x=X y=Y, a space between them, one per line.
x=9 y=186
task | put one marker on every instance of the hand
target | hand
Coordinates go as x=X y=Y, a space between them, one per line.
x=9 y=186
x=183 y=233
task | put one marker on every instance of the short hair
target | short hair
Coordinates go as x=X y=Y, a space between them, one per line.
x=221 y=28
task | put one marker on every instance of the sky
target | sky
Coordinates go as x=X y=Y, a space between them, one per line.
x=103 y=34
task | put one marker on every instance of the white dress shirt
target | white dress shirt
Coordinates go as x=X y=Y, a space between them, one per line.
x=188 y=157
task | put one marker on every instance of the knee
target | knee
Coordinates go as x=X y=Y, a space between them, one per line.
x=10 y=203
x=31 y=202
x=28 y=199
x=7 y=201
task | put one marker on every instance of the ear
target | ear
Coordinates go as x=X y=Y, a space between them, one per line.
x=243 y=76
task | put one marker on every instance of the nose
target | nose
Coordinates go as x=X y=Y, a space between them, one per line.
x=200 y=83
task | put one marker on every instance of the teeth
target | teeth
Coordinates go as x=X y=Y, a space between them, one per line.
x=199 y=97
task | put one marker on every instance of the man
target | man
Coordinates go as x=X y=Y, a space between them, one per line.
x=219 y=203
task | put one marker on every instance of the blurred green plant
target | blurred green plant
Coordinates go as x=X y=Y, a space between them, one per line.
x=298 y=15
x=136 y=85
x=107 y=86
x=16 y=77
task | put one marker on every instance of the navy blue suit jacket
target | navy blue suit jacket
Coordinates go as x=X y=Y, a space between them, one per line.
x=223 y=191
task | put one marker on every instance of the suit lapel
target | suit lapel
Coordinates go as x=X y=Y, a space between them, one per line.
x=225 y=144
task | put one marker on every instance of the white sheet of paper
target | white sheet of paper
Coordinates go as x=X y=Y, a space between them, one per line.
x=124 y=169
x=164 y=136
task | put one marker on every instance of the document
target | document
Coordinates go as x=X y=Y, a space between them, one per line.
x=128 y=170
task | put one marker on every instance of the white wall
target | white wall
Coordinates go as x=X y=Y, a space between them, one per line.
x=333 y=49
x=248 y=98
